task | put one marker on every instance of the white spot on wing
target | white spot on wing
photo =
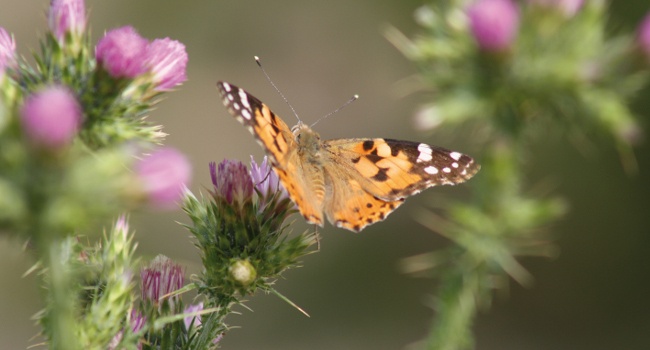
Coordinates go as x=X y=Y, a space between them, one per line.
x=226 y=87
x=246 y=114
x=431 y=170
x=425 y=153
x=455 y=155
x=454 y=165
x=244 y=99
x=446 y=170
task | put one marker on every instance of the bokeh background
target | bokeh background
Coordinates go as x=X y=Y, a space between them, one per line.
x=595 y=295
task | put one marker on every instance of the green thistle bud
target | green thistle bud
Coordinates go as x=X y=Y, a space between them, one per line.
x=243 y=272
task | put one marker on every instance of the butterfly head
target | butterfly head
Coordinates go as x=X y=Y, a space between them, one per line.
x=307 y=139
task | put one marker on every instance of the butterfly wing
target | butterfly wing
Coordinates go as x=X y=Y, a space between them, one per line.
x=372 y=177
x=278 y=141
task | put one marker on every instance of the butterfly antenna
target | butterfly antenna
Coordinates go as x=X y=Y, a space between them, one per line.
x=259 y=63
x=354 y=98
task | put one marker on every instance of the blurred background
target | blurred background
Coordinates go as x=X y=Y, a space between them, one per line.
x=595 y=295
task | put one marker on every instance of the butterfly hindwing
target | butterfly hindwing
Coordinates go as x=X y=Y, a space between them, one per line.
x=372 y=177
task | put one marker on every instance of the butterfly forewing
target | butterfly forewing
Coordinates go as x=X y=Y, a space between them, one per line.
x=276 y=138
x=394 y=169
x=271 y=132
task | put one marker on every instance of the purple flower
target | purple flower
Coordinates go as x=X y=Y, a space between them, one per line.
x=164 y=175
x=51 y=117
x=643 y=36
x=195 y=321
x=67 y=16
x=232 y=182
x=167 y=60
x=494 y=23
x=568 y=7
x=267 y=183
x=162 y=277
x=122 y=52
x=7 y=51
x=121 y=225
x=137 y=322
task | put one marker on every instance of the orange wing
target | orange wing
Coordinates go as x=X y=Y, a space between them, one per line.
x=276 y=138
x=371 y=177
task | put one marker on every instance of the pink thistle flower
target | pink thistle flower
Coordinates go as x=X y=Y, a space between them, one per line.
x=160 y=278
x=122 y=52
x=567 y=7
x=194 y=321
x=137 y=322
x=67 y=16
x=164 y=174
x=267 y=183
x=167 y=60
x=232 y=182
x=643 y=36
x=494 y=23
x=7 y=51
x=51 y=117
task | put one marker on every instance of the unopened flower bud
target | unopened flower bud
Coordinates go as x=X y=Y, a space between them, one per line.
x=243 y=272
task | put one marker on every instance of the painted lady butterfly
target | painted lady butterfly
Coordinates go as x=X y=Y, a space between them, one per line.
x=354 y=182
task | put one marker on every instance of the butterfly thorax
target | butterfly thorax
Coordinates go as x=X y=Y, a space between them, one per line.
x=309 y=144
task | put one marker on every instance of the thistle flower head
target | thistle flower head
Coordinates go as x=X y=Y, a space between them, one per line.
x=167 y=60
x=232 y=183
x=194 y=321
x=494 y=23
x=7 y=51
x=67 y=16
x=163 y=175
x=51 y=117
x=643 y=36
x=569 y=8
x=122 y=52
x=266 y=181
x=161 y=277
x=137 y=320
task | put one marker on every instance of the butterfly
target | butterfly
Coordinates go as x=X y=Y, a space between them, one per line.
x=353 y=182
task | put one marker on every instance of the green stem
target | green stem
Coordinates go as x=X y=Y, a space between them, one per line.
x=61 y=318
x=456 y=310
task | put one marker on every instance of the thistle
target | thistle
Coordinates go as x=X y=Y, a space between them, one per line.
x=242 y=235
x=517 y=71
